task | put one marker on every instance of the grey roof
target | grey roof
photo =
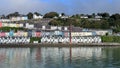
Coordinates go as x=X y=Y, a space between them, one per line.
x=76 y=29
x=38 y=25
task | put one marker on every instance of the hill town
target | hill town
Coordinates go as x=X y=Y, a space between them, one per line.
x=56 y=27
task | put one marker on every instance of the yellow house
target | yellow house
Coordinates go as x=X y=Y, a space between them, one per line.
x=25 y=34
x=18 y=25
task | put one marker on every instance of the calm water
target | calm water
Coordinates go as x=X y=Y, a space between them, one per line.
x=82 y=57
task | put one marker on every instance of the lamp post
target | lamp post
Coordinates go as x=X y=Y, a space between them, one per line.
x=70 y=30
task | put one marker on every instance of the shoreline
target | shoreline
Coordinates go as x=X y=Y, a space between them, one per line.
x=59 y=45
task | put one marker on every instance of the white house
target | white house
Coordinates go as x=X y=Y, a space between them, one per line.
x=102 y=32
x=37 y=16
x=29 y=26
x=63 y=16
x=19 y=18
x=98 y=17
x=5 y=20
x=84 y=17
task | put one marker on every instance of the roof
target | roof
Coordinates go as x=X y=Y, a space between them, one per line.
x=76 y=29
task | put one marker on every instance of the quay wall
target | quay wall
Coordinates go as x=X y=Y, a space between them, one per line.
x=60 y=45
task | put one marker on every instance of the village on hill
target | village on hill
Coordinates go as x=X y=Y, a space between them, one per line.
x=59 y=28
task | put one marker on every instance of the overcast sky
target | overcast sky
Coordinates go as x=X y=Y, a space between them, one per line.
x=66 y=6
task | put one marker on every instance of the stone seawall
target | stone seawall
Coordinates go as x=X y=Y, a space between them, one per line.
x=59 y=45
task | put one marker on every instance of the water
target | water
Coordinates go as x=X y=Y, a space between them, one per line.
x=79 y=57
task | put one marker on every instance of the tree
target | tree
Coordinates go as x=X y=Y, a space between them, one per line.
x=55 y=23
x=115 y=20
x=90 y=16
x=63 y=14
x=93 y=15
x=51 y=15
x=15 y=14
x=104 y=24
x=115 y=16
x=30 y=15
x=3 y=17
x=104 y=15
x=37 y=13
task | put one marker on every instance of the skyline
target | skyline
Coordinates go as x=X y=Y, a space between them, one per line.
x=61 y=6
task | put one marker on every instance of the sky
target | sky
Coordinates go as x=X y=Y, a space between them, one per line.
x=68 y=7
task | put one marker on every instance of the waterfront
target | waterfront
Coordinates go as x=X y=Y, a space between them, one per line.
x=60 y=57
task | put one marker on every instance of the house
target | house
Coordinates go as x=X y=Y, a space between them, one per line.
x=102 y=32
x=29 y=26
x=98 y=17
x=84 y=17
x=63 y=16
x=37 y=16
x=19 y=18
x=5 y=20
x=77 y=34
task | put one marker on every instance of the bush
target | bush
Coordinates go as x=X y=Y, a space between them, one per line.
x=35 y=39
x=7 y=29
x=107 y=39
x=115 y=39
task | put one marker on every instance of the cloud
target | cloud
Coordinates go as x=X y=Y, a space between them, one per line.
x=67 y=6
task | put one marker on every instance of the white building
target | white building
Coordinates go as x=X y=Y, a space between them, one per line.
x=56 y=27
x=19 y=18
x=102 y=32
x=85 y=17
x=98 y=17
x=29 y=26
x=37 y=16
x=63 y=16
x=5 y=20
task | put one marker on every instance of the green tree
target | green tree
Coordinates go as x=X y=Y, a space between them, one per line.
x=30 y=15
x=15 y=14
x=115 y=16
x=51 y=15
x=93 y=15
x=104 y=15
x=104 y=25
x=37 y=13
x=63 y=14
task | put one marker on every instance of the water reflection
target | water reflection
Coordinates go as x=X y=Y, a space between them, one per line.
x=14 y=57
x=82 y=57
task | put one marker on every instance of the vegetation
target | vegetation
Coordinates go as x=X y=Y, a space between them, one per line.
x=104 y=15
x=106 y=22
x=115 y=39
x=7 y=29
x=30 y=15
x=32 y=39
x=15 y=14
x=51 y=15
x=37 y=13
x=102 y=24
x=65 y=22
